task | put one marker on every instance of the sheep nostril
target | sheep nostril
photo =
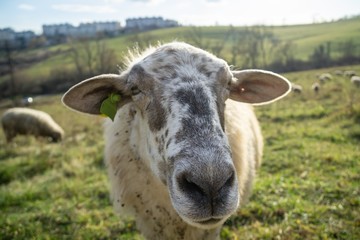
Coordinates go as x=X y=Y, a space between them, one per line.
x=187 y=185
x=230 y=181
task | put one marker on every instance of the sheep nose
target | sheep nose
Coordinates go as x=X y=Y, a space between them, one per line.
x=211 y=190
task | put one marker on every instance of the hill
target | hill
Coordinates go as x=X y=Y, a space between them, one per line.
x=307 y=187
x=279 y=48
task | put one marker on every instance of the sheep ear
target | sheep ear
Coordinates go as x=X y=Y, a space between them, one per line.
x=258 y=87
x=88 y=95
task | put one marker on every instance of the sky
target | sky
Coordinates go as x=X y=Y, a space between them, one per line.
x=21 y=15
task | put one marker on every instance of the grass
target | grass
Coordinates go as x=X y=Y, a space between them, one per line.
x=51 y=191
x=307 y=37
x=307 y=188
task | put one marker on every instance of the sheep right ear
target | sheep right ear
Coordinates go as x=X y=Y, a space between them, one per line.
x=88 y=95
x=258 y=86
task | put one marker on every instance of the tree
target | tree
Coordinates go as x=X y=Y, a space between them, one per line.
x=106 y=58
x=321 y=55
x=252 y=46
x=348 y=51
x=92 y=57
x=10 y=62
x=218 y=45
x=284 y=52
x=196 y=37
x=142 y=40
x=214 y=44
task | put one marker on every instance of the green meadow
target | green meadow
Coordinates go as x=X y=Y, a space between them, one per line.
x=308 y=186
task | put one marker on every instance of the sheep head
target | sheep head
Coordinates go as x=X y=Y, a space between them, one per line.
x=179 y=94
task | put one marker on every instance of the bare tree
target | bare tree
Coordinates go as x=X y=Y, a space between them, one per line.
x=244 y=48
x=92 y=57
x=106 y=58
x=265 y=39
x=215 y=44
x=218 y=46
x=10 y=62
x=196 y=37
x=320 y=56
x=142 y=40
x=348 y=50
x=252 y=46
x=284 y=52
x=76 y=58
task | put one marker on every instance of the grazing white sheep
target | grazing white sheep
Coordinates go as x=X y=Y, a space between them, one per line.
x=349 y=73
x=315 y=87
x=296 y=88
x=325 y=77
x=338 y=72
x=178 y=160
x=25 y=121
x=355 y=80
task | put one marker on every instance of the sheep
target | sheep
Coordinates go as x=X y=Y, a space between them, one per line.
x=355 y=80
x=296 y=88
x=338 y=72
x=315 y=87
x=178 y=161
x=26 y=121
x=349 y=73
x=324 y=77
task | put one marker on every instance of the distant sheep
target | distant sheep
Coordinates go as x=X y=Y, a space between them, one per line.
x=178 y=160
x=338 y=72
x=349 y=73
x=325 y=77
x=25 y=121
x=316 y=87
x=355 y=80
x=296 y=88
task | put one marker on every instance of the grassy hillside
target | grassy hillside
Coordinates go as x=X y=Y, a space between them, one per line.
x=307 y=188
x=304 y=38
x=307 y=37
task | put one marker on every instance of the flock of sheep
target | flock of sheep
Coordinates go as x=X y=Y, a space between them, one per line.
x=325 y=77
x=26 y=121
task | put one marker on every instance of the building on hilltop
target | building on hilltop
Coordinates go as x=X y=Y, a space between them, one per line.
x=16 y=39
x=148 y=23
x=93 y=29
x=7 y=34
x=57 y=29
x=57 y=33
x=61 y=32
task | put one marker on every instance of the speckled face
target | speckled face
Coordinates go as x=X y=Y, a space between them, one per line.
x=180 y=92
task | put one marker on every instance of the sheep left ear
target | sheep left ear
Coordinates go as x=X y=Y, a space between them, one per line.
x=258 y=86
x=88 y=95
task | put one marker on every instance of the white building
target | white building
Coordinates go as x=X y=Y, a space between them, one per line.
x=93 y=29
x=83 y=30
x=16 y=39
x=57 y=29
x=27 y=35
x=149 y=23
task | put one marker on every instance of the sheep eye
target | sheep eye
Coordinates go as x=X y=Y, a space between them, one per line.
x=228 y=85
x=135 y=90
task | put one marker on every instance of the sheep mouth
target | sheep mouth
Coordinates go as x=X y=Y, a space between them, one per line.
x=210 y=221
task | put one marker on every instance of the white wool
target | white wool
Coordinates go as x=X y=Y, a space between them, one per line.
x=137 y=192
